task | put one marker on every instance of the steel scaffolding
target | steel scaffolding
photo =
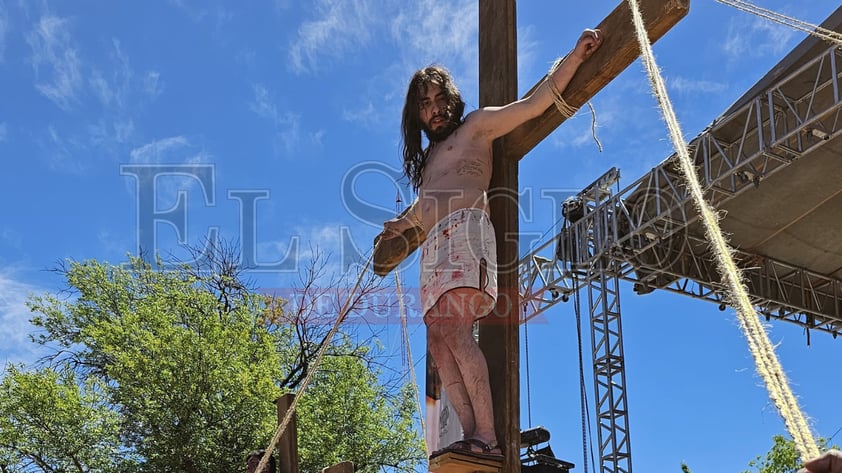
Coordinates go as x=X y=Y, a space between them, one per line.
x=640 y=234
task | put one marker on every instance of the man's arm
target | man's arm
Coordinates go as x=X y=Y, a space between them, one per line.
x=498 y=121
x=410 y=217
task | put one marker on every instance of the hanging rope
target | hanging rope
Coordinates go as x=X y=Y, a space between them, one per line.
x=759 y=344
x=817 y=31
x=587 y=444
x=593 y=127
x=566 y=110
x=405 y=327
x=528 y=378
x=264 y=460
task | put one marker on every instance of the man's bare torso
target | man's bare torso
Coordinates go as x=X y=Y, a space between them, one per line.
x=456 y=176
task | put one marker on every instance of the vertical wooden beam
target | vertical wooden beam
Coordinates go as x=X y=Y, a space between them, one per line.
x=288 y=443
x=498 y=334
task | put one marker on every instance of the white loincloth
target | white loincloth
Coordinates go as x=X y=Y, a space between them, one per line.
x=460 y=252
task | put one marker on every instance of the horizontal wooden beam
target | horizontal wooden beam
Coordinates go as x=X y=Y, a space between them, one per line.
x=619 y=49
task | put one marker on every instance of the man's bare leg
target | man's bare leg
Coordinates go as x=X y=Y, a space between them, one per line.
x=449 y=373
x=456 y=330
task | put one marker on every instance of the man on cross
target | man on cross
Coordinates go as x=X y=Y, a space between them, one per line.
x=458 y=259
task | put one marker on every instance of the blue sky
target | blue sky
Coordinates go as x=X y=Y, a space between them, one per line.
x=291 y=110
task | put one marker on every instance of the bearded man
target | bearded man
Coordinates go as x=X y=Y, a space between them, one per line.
x=451 y=176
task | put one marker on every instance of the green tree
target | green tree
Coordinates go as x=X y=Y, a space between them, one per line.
x=186 y=364
x=363 y=410
x=48 y=422
x=783 y=457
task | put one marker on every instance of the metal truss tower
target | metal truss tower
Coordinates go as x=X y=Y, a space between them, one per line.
x=648 y=234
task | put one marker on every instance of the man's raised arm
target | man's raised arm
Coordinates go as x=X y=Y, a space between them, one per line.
x=498 y=121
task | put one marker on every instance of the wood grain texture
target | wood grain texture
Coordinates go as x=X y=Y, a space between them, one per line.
x=455 y=462
x=619 y=49
x=498 y=333
x=391 y=252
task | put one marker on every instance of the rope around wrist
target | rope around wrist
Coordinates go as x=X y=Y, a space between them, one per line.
x=563 y=107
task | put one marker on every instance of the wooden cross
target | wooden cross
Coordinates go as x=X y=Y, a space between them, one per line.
x=498 y=86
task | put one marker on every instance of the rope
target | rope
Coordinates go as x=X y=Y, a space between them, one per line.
x=528 y=378
x=563 y=107
x=567 y=110
x=264 y=460
x=587 y=447
x=761 y=348
x=593 y=127
x=817 y=31
x=409 y=358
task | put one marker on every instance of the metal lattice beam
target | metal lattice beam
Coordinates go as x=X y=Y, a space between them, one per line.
x=609 y=372
x=644 y=226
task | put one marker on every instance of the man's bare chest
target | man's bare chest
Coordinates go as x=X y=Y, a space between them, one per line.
x=458 y=158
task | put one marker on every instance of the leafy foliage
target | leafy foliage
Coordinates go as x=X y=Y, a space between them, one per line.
x=166 y=371
x=48 y=422
x=783 y=457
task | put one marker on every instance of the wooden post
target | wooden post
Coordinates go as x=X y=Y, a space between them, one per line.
x=497 y=86
x=341 y=467
x=288 y=443
x=498 y=334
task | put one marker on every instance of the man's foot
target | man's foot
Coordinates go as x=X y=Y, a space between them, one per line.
x=473 y=447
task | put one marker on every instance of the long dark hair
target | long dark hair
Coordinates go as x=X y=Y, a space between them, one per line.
x=414 y=156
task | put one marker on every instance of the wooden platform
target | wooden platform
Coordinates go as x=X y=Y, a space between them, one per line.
x=454 y=462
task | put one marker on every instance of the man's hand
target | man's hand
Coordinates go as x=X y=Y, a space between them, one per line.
x=829 y=462
x=395 y=227
x=588 y=43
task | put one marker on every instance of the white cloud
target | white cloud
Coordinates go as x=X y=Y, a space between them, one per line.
x=368 y=115
x=152 y=84
x=290 y=135
x=4 y=29
x=758 y=38
x=340 y=26
x=156 y=151
x=263 y=104
x=12 y=238
x=113 y=91
x=682 y=85
x=423 y=33
x=195 y=13
x=51 y=46
x=430 y=33
x=290 y=131
x=14 y=321
x=336 y=243
x=60 y=151
x=526 y=60
x=172 y=150
x=116 y=88
x=119 y=131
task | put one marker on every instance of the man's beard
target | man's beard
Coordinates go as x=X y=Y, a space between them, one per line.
x=441 y=134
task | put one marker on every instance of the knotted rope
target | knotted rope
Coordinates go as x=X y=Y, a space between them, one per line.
x=761 y=348
x=817 y=31
x=264 y=460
